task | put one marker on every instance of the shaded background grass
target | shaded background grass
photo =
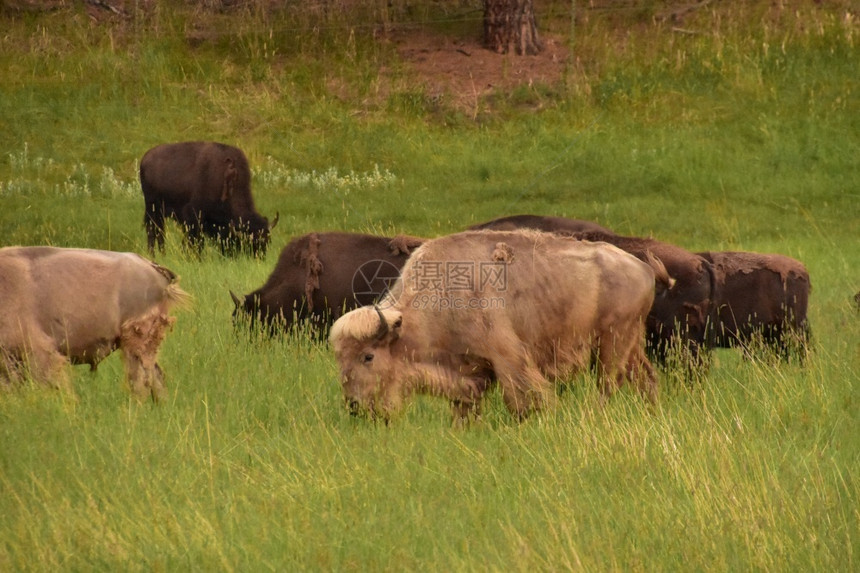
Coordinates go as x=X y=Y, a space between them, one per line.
x=743 y=135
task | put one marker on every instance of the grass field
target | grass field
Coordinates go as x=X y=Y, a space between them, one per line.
x=743 y=135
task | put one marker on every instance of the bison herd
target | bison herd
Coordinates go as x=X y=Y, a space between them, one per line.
x=520 y=302
x=439 y=326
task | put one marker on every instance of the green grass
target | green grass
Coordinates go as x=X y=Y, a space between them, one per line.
x=744 y=135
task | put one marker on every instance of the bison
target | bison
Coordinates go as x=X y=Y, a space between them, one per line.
x=76 y=306
x=320 y=275
x=206 y=187
x=480 y=307
x=541 y=223
x=761 y=298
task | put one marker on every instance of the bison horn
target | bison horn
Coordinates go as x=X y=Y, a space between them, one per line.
x=275 y=221
x=236 y=300
x=383 y=324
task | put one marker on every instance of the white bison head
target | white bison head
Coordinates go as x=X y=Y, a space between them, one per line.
x=362 y=341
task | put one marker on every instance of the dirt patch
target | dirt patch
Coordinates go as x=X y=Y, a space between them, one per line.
x=465 y=73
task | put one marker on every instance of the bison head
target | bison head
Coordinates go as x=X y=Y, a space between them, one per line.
x=253 y=232
x=362 y=341
x=251 y=313
x=246 y=309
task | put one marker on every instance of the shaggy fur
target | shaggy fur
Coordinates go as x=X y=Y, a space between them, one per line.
x=77 y=306
x=543 y=324
x=140 y=339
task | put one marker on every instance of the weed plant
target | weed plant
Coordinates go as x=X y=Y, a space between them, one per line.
x=737 y=128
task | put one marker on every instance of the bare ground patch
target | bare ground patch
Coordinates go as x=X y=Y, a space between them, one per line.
x=464 y=73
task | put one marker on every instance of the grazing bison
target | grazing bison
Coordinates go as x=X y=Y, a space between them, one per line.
x=79 y=305
x=320 y=275
x=761 y=297
x=483 y=306
x=541 y=223
x=206 y=187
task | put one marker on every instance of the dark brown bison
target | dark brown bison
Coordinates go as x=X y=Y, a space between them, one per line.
x=763 y=298
x=541 y=223
x=79 y=305
x=320 y=275
x=206 y=187
x=479 y=307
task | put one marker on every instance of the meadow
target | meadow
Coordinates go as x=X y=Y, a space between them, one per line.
x=738 y=130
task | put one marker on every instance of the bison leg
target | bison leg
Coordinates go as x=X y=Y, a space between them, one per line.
x=609 y=376
x=153 y=222
x=620 y=356
x=467 y=405
x=46 y=365
x=10 y=367
x=158 y=389
x=194 y=237
x=464 y=412
x=641 y=373
x=524 y=388
x=788 y=340
x=193 y=224
x=464 y=387
x=140 y=339
x=799 y=340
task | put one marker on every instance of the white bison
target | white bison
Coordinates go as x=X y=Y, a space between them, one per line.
x=517 y=307
x=79 y=305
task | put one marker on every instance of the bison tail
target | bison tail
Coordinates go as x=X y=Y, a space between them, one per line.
x=662 y=279
x=178 y=297
x=163 y=271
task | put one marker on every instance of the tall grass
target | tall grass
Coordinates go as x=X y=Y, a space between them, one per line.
x=740 y=135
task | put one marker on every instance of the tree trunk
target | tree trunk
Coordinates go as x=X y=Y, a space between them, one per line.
x=511 y=24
